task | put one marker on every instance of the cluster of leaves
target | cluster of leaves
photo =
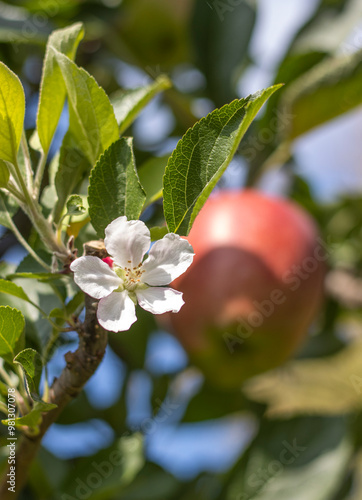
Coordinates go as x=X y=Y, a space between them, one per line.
x=94 y=179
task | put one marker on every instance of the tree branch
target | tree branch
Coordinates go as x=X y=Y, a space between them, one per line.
x=80 y=366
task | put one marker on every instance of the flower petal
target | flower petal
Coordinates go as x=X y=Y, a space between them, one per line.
x=94 y=276
x=116 y=312
x=158 y=300
x=127 y=241
x=168 y=259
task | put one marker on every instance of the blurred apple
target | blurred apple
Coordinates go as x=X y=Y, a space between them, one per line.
x=254 y=287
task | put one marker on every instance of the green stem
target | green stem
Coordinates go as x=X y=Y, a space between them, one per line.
x=45 y=396
x=10 y=383
x=5 y=376
x=46 y=232
x=23 y=394
x=21 y=183
x=40 y=173
x=57 y=292
x=3 y=408
x=22 y=240
x=13 y=190
x=41 y=224
x=28 y=166
x=53 y=339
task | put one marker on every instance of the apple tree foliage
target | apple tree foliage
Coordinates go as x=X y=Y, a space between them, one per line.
x=93 y=149
x=308 y=416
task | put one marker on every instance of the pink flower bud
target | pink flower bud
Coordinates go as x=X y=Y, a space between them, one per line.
x=108 y=261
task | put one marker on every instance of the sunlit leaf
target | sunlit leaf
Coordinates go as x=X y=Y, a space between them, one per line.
x=4 y=173
x=52 y=88
x=12 y=289
x=75 y=205
x=12 y=110
x=158 y=232
x=37 y=276
x=328 y=90
x=202 y=156
x=327 y=386
x=33 y=419
x=12 y=325
x=31 y=363
x=92 y=122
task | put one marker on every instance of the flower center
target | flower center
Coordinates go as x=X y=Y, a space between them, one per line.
x=132 y=276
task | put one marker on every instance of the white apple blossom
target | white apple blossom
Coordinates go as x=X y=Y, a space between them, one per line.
x=130 y=279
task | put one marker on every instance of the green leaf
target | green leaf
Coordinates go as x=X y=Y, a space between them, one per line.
x=75 y=303
x=325 y=386
x=12 y=325
x=4 y=173
x=114 y=187
x=128 y=104
x=57 y=313
x=73 y=165
x=290 y=69
x=221 y=36
x=12 y=289
x=202 y=405
x=3 y=389
x=123 y=462
x=32 y=365
x=158 y=232
x=49 y=197
x=40 y=295
x=153 y=483
x=330 y=89
x=12 y=110
x=289 y=459
x=34 y=142
x=29 y=266
x=92 y=122
x=33 y=419
x=202 y=156
x=330 y=28
x=75 y=205
x=16 y=291
x=37 y=276
x=357 y=478
x=8 y=207
x=151 y=177
x=52 y=87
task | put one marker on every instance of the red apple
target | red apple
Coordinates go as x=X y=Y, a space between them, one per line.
x=254 y=287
